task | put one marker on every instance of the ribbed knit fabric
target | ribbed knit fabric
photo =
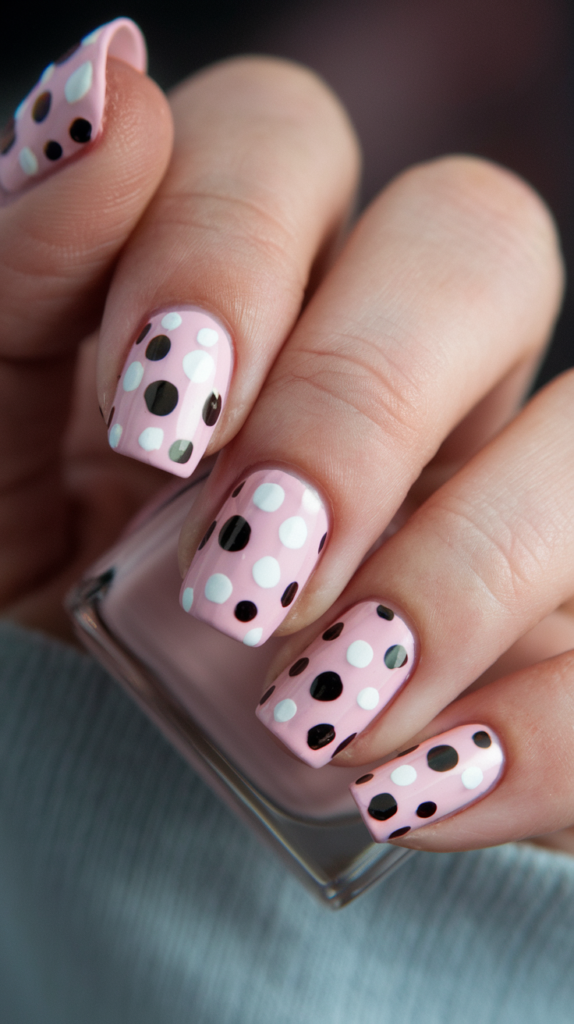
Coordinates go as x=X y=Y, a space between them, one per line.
x=130 y=895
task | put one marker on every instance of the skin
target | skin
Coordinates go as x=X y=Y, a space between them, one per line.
x=387 y=364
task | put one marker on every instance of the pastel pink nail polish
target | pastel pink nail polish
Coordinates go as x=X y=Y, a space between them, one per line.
x=256 y=556
x=172 y=390
x=429 y=782
x=64 y=111
x=340 y=682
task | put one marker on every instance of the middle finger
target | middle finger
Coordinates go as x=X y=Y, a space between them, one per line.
x=449 y=284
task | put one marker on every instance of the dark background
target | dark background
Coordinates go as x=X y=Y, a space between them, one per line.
x=419 y=77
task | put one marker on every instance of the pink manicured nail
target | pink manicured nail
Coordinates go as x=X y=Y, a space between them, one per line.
x=172 y=390
x=257 y=556
x=340 y=683
x=64 y=111
x=429 y=782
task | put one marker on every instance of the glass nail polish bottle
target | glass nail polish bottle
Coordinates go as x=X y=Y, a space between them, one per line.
x=201 y=688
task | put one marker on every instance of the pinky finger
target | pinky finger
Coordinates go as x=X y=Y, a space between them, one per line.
x=496 y=766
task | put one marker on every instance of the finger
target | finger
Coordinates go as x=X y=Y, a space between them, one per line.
x=489 y=555
x=529 y=718
x=260 y=185
x=64 y=111
x=450 y=281
x=58 y=242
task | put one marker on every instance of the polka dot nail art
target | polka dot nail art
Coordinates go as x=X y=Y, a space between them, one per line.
x=429 y=782
x=64 y=110
x=171 y=391
x=256 y=556
x=340 y=683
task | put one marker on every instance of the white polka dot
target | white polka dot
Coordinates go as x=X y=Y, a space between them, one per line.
x=79 y=83
x=368 y=698
x=284 y=710
x=293 y=532
x=133 y=376
x=471 y=777
x=171 y=320
x=151 y=439
x=311 y=501
x=360 y=654
x=28 y=161
x=21 y=108
x=207 y=337
x=91 y=38
x=266 y=572
x=252 y=638
x=115 y=435
x=187 y=599
x=198 y=366
x=218 y=588
x=404 y=775
x=269 y=497
x=47 y=73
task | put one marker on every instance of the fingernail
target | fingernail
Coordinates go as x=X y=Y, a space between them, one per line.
x=339 y=683
x=256 y=556
x=172 y=390
x=429 y=782
x=64 y=110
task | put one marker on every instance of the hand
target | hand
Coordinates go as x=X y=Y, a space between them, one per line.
x=432 y=316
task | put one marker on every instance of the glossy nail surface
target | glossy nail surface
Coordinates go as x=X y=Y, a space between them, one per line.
x=64 y=110
x=340 y=682
x=429 y=782
x=172 y=390
x=256 y=556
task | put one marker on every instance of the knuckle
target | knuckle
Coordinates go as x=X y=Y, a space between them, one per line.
x=505 y=554
x=354 y=380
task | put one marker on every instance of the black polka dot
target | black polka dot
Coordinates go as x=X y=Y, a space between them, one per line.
x=344 y=744
x=158 y=348
x=161 y=397
x=426 y=810
x=266 y=695
x=334 y=631
x=409 y=750
x=211 y=409
x=320 y=736
x=364 y=778
x=482 y=739
x=322 y=542
x=396 y=656
x=180 y=451
x=8 y=136
x=66 y=56
x=288 y=594
x=245 y=611
x=400 y=832
x=299 y=667
x=234 y=534
x=80 y=130
x=385 y=613
x=442 y=758
x=111 y=415
x=326 y=686
x=238 y=490
x=143 y=334
x=207 y=535
x=383 y=806
x=41 y=107
x=53 y=150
